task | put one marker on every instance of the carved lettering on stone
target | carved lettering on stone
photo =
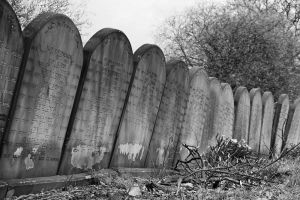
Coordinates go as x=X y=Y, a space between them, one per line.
x=109 y=68
x=140 y=115
x=293 y=135
x=226 y=116
x=255 y=119
x=11 y=52
x=267 y=123
x=280 y=122
x=52 y=69
x=214 y=126
x=170 y=116
x=242 y=113
x=197 y=111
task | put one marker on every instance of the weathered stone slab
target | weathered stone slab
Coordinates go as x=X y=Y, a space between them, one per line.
x=52 y=66
x=214 y=126
x=108 y=68
x=197 y=111
x=293 y=125
x=242 y=113
x=279 y=123
x=267 y=123
x=226 y=116
x=139 y=118
x=11 y=52
x=168 y=126
x=255 y=119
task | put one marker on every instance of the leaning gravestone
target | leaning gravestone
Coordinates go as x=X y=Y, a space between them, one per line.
x=279 y=123
x=11 y=52
x=108 y=68
x=52 y=65
x=214 y=126
x=168 y=126
x=293 y=125
x=137 y=125
x=194 y=125
x=255 y=119
x=241 y=113
x=267 y=123
x=226 y=117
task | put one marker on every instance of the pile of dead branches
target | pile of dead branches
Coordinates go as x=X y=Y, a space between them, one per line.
x=229 y=163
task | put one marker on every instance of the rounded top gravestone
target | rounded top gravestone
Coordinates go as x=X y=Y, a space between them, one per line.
x=137 y=125
x=267 y=123
x=195 y=119
x=279 y=124
x=293 y=134
x=11 y=52
x=170 y=116
x=52 y=65
x=226 y=117
x=242 y=113
x=214 y=121
x=108 y=69
x=255 y=118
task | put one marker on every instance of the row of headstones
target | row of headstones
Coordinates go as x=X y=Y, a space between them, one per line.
x=65 y=109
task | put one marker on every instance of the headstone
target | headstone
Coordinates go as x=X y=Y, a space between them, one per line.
x=214 y=126
x=197 y=111
x=279 y=123
x=226 y=117
x=170 y=116
x=108 y=68
x=11 y=52
x=293 y=125
x=255 y=119
x=267 y=123
x=137 y=125
x=241 y=113
x=52 y=66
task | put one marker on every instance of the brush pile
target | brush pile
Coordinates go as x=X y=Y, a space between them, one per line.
x=228 y=163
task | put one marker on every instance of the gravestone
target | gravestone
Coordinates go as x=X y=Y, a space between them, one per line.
x=108 y=68
x=255 y=119
x=279 y=123
x=267 y=123
x=52 y=65
x=137 y=125
x=226 y=117
x=11 y=52
x=168 y=126
x=194 y=125
x=241 y=113
x=293 y=125
x=214 y=122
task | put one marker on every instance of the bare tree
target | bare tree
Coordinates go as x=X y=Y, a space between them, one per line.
x=246 y=42
x=26 y=10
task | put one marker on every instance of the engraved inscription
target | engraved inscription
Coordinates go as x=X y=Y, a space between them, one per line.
x=169 y=120
x=226 y=119
x=281 y=125
x=242 y=118
x=142 y=107
x=196 y=117
x=293 y=135
x=45 y=101
x=255 y=122
x=267 y=123
x=101 y=103
x=11 y=51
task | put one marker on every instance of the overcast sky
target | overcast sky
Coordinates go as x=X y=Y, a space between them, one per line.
x=138 y=19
